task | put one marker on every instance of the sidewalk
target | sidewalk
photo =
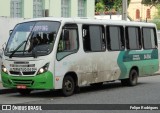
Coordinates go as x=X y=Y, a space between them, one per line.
x=5 y=90
x=158 y=72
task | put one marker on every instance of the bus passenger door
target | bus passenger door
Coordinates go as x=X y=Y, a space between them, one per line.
x=66 y=53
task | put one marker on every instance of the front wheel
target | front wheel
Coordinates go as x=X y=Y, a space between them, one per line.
x=68 y=86
x=132 y=80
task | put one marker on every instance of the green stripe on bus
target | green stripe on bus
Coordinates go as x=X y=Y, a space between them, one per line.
x=145 y=60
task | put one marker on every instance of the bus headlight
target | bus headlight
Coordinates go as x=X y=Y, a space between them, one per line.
x=4 y=69
x=43 y=69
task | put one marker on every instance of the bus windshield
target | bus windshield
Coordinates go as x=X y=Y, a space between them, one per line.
x=27 y=36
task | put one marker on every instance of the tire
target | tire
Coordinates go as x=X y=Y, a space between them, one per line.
x=68 y=86
x=24 y=91
x=97 y=84
x=132 y=80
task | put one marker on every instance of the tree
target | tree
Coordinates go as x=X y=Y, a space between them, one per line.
x=151 y=2
x=100 y=7
x=157 y=16
x=114 y=4
x=109 y=4
x=157 y=22
x=106 y=5
x=156 y=19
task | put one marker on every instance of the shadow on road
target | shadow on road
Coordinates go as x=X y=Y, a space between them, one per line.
x=86 y=89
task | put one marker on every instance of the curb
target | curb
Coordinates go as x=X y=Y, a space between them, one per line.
x=157 y=73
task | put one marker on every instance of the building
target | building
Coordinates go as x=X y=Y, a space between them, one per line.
x=140 y=12
x=45 y=8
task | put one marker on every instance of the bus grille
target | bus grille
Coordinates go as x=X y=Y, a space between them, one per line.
x=22 y=82
x=24 y=73
x=29 y=73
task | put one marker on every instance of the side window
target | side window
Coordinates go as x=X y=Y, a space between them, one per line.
x=115 y=38
x=68 y=43
x=93 y=38
x=149 y=38
x=133 y=38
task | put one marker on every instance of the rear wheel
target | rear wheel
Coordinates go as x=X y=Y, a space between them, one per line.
x=24 y=91
x=68 y=86
x=132 y=80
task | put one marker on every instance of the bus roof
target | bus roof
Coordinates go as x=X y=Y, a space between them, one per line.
x=92 y=21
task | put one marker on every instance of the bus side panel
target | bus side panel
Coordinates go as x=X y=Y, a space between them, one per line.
x=68 y=64
x=90 y=67
x=145 y=60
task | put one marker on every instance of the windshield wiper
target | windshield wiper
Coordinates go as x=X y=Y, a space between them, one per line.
x=10 y=56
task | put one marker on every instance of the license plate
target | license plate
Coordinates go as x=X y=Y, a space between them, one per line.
x=21 y=87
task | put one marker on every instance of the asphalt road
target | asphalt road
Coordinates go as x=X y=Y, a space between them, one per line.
x=146 y=92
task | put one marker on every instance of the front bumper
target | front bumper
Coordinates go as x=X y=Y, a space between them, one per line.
x=42 y=81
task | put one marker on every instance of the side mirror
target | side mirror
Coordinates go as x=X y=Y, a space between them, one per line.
x=10 y=32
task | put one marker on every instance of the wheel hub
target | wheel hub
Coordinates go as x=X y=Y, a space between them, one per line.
x=68 y=85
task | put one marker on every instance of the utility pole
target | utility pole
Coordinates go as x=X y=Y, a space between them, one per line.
x=124 y=9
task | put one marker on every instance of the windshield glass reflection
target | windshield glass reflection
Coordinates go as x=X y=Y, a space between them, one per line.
x=35 y=34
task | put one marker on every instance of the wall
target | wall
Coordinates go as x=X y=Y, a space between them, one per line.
x=90 y=8
x=5 y=8
x=7 y=24
x=74 y=8
x=28 y=9
x=53 y=5
x=55 y=9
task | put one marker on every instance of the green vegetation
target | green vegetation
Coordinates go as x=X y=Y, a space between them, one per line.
x=150 y=2
x=107 y=5
x=100 y=6
x=157 y=22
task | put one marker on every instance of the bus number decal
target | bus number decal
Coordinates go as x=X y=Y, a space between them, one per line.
x=147 y=56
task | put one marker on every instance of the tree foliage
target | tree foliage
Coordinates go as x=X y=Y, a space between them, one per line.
x=157 y=22
x=112 y=4
x=157 y=16
x=100 y=6
x=151 y=2
x=156 y=19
